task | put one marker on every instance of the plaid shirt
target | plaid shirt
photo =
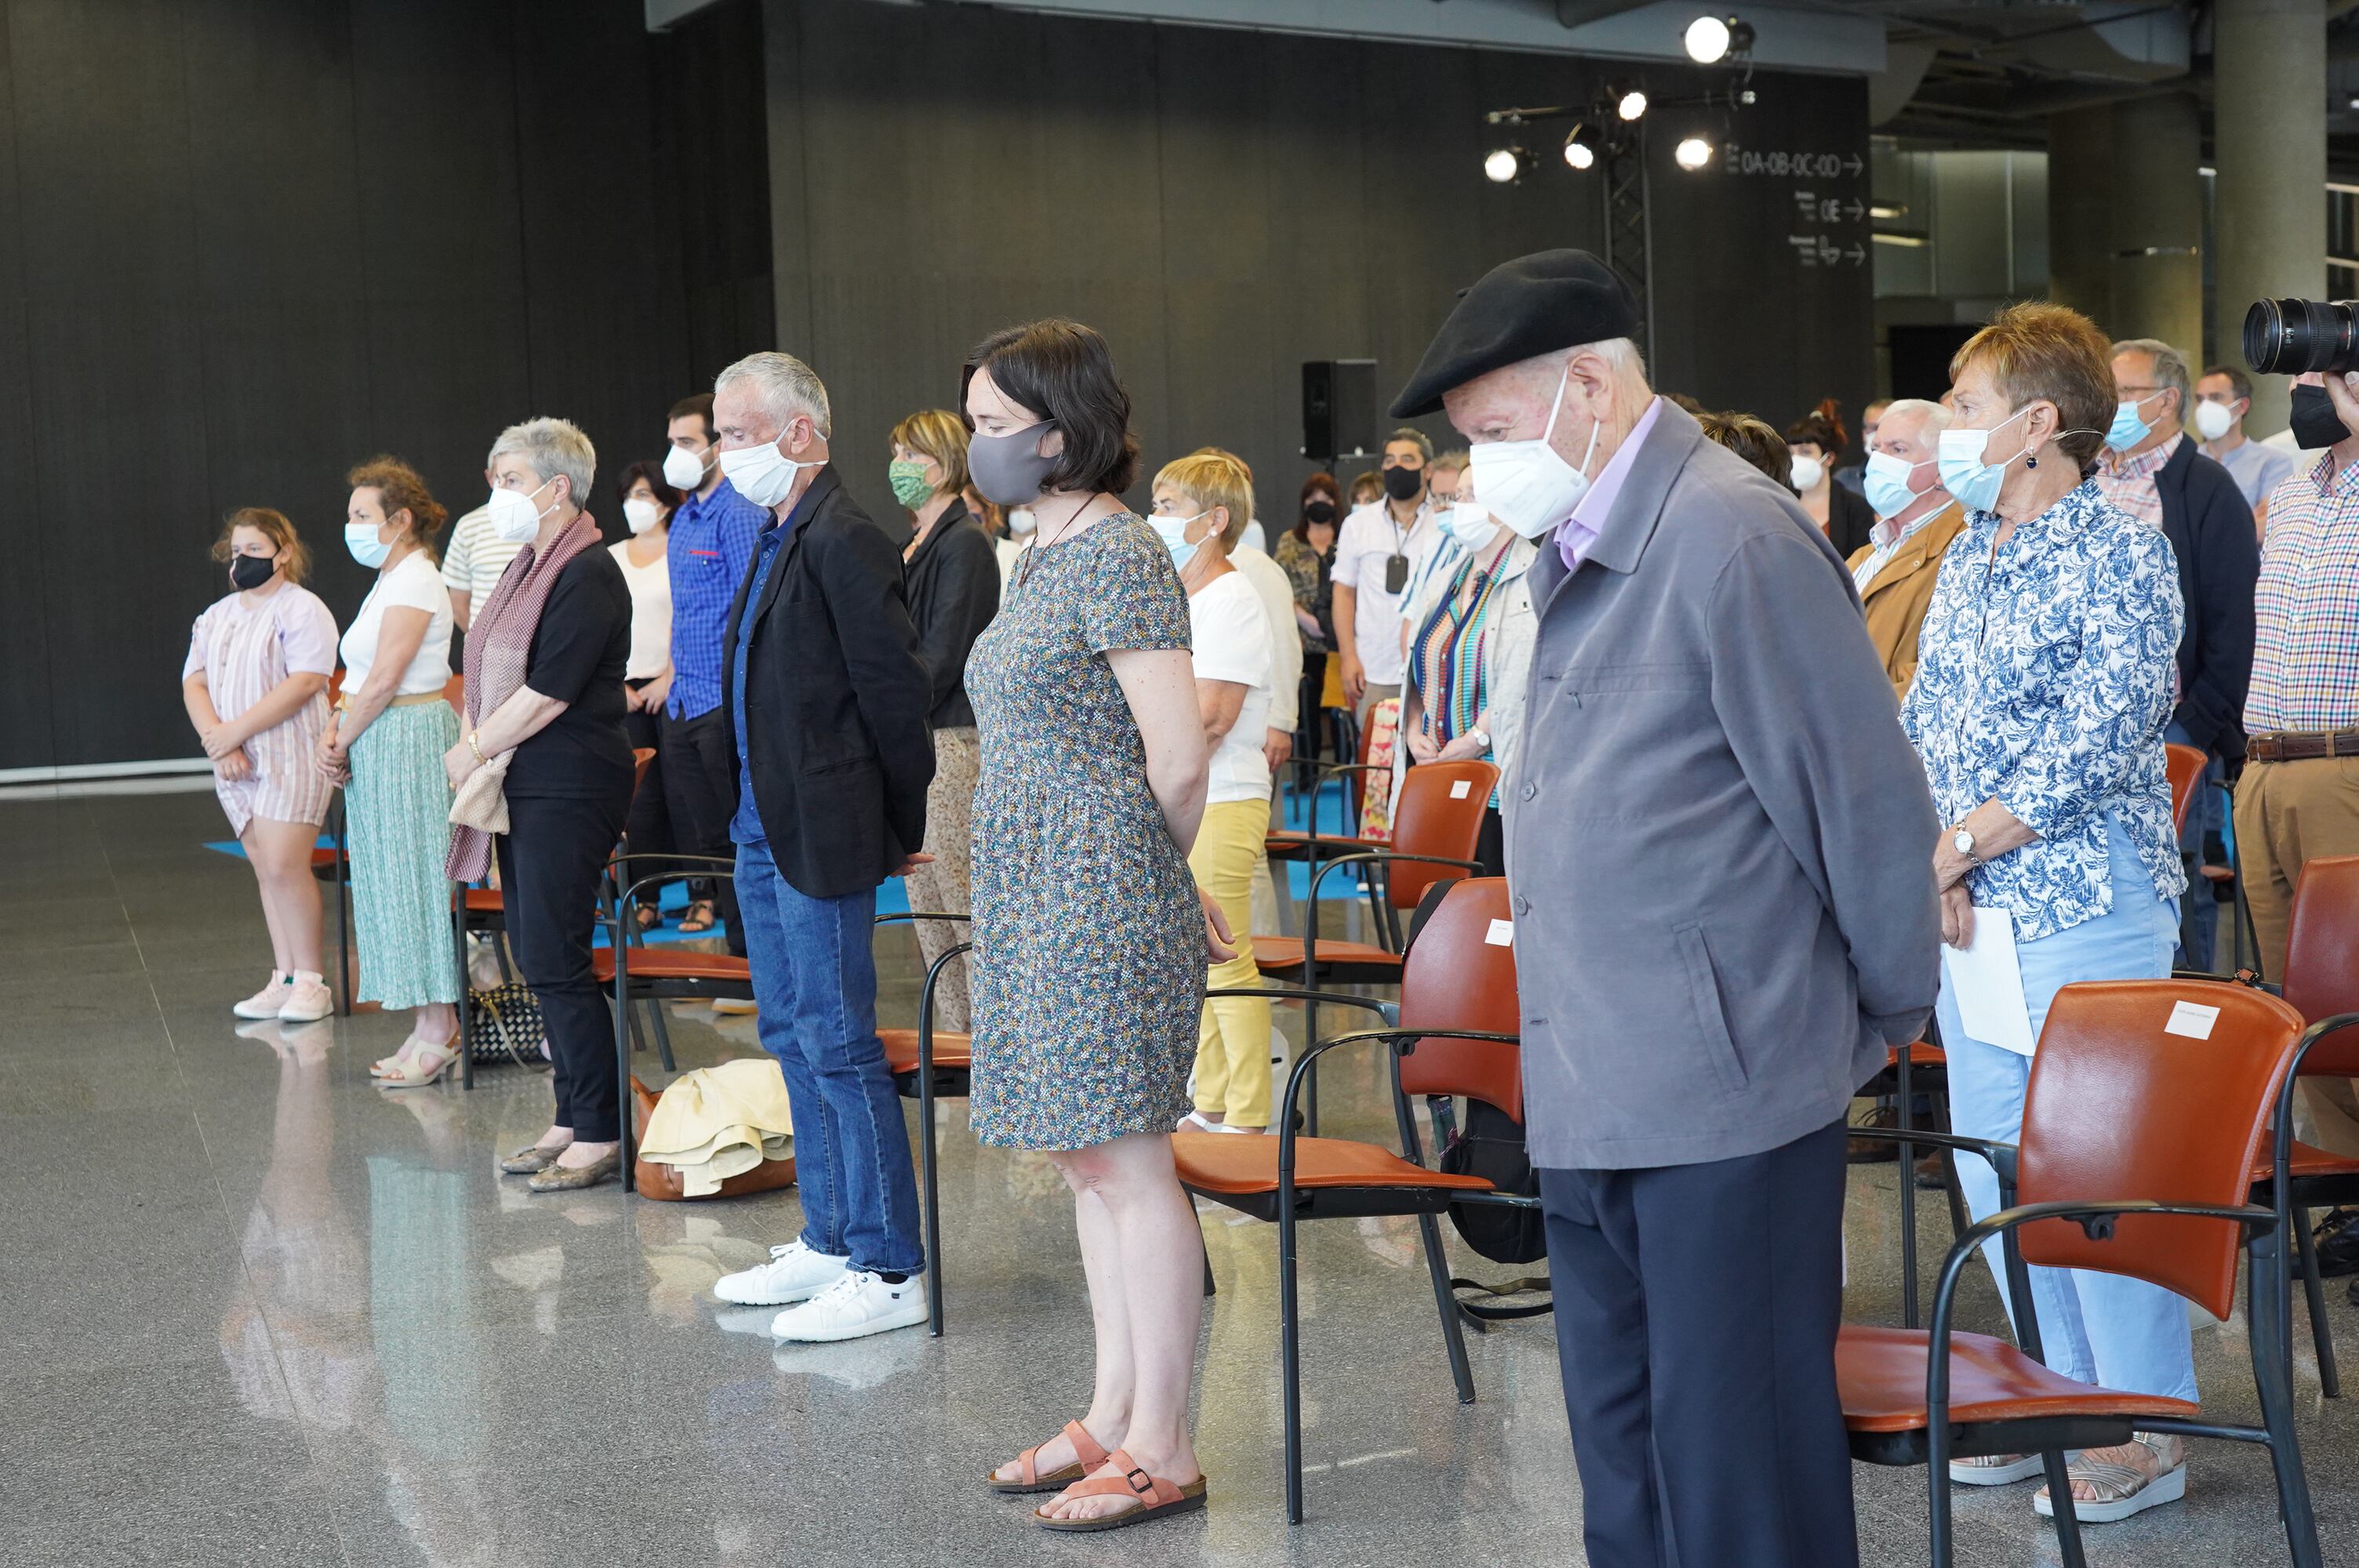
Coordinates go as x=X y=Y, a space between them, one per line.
x=711 y=545
x=2306 y=608
x=2128 y=483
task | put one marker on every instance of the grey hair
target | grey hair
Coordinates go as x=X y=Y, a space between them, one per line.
x=1937 y=418
x=552 y=446
x=1457 y=458
x=785 y=386
x=1423 y=442
x=2170 y=366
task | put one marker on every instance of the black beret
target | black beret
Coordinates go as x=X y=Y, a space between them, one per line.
x=1550 y=300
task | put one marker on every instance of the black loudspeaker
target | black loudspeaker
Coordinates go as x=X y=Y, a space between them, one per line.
x=1339 y=408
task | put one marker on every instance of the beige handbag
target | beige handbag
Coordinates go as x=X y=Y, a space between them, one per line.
x=482 y=801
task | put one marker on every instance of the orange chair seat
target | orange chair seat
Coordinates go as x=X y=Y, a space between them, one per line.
x=671 y=964
x=1880 y=1376
x=1286 y=953
x=1290 y=844
x=2307 y=1160
x=901 y=1049
x=1919 y=1055
x=486 y=901
x=324 y=857
x=2221 y=874
x=1235 y=1165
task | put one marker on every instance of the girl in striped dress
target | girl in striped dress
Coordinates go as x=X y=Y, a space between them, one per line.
x=255 y=686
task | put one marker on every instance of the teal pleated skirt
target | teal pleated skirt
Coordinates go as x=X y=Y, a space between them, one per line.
x=397 y=808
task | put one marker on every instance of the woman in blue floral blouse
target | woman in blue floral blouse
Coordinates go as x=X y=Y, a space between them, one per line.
x=2045 y=678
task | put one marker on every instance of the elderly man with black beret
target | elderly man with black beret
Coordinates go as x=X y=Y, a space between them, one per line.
x=1719 y=926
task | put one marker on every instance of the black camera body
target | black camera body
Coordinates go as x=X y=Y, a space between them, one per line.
x=2292 y=337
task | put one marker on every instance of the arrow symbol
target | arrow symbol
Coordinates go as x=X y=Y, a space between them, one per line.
x=1852 y=165
x=1858 y=210
x=1857 y=253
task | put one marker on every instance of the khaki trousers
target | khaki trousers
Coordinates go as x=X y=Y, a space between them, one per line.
x=2287 y=813
x=941 y=887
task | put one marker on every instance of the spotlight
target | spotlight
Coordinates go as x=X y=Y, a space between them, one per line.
x=1707 y=41
x=1629 y=102
x=1581 y=148
x=1505 y=166
x=1693 y=153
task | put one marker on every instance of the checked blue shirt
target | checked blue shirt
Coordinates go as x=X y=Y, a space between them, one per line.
x=711 y=545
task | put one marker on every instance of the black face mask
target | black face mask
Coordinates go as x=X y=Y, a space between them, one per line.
x=251 y=572
x=1401 y=483
x=2315 y=424
x=1319 y=512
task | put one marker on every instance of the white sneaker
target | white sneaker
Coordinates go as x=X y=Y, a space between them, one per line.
x=308 y=999
x=266 y=1002
x=856 y=1305
x=794 y=1274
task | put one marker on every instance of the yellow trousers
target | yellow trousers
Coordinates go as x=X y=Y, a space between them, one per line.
x=1233 y=1040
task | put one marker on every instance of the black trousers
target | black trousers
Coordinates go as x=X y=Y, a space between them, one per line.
x=649 y=827
x=549 y=861
x=701 y=796
x=1696 y=1312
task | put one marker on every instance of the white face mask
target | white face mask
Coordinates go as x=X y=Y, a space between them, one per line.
x=641 y=514
x=1808 y=471
x=683 y=469
x=1020 y=522
x=514 y=517
x=764 y=475
x=1527 y=485
x=2213 y=420
x=1469 y=523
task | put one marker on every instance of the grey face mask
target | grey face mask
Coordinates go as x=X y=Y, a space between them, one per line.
x=1009 y=470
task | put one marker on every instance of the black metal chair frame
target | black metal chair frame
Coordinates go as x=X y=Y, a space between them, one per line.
x=1905 y=1087
x=623 y=934
x=926 y=1084
x=1286 y=1206
x=2268 y=1311
x=339 y=872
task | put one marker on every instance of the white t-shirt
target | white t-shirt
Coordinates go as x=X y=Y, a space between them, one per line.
x=1230 y=633
x=413 y=583
x=651 y=587
x=1368 y=538
x=1277 y=590
x=476 y=558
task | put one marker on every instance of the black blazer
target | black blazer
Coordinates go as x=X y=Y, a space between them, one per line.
x=1849 y=520
x=2211 y=530
x=953 y=589
x=835 y=701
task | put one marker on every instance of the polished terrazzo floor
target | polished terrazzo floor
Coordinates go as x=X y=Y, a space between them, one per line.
x=255 y=1312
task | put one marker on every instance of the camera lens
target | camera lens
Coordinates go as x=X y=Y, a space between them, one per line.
x=2289 y=337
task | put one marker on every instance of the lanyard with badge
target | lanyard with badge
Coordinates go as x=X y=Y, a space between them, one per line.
x=1395 y=564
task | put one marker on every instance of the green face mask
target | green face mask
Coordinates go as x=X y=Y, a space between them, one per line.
x=910 y=486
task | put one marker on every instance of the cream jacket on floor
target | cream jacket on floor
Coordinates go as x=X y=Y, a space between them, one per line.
x=717 y=1122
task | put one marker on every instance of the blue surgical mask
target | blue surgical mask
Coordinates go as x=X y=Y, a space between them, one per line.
x=1173 y=531
x=360 y=539
x=1886 y=483
x=2128 y=430
x=1964 y=475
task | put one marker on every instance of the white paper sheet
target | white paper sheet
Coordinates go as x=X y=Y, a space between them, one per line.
x=1988 y=981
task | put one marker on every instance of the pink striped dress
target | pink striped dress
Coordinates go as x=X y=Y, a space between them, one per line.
x=243 y=654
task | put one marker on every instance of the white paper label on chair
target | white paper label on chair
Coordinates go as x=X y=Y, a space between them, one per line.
x=1461 y=788
x=2192 y=1020
x=1501 y=934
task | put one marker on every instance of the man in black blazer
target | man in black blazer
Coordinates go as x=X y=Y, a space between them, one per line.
x=827 y=701
x=2156 y=473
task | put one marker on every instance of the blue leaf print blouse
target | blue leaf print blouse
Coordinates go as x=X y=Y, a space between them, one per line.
x=2045 y=676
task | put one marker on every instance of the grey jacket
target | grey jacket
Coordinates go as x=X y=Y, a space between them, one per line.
x=1719 y=842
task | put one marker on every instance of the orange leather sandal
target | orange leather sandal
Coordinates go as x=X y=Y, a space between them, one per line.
x=1027 y=1465
x=1157 y=1497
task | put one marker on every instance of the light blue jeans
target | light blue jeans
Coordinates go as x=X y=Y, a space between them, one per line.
x=2107 y=1329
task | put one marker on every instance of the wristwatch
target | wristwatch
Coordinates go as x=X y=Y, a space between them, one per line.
x=1963 y=842
x=1480 y=736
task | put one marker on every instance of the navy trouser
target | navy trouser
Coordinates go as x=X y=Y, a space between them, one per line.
x=1696 y=1311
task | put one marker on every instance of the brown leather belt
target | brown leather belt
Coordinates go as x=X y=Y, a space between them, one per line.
x=2298 y=745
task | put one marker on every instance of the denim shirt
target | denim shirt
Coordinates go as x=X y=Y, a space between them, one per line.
x=2044 y=678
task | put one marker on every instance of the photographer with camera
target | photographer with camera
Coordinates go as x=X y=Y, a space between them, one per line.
x=2295 y=801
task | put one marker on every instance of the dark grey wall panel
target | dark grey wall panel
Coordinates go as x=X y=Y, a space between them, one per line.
x=1224 y=205
x=245 y=243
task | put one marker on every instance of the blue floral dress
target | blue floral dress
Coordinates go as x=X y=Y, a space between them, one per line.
x=1089 y=938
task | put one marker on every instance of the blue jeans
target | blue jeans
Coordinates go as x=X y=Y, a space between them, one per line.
x=2108 y=1329
x=815 y=986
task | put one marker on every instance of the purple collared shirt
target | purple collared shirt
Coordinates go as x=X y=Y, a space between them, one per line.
x=1578 y=532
